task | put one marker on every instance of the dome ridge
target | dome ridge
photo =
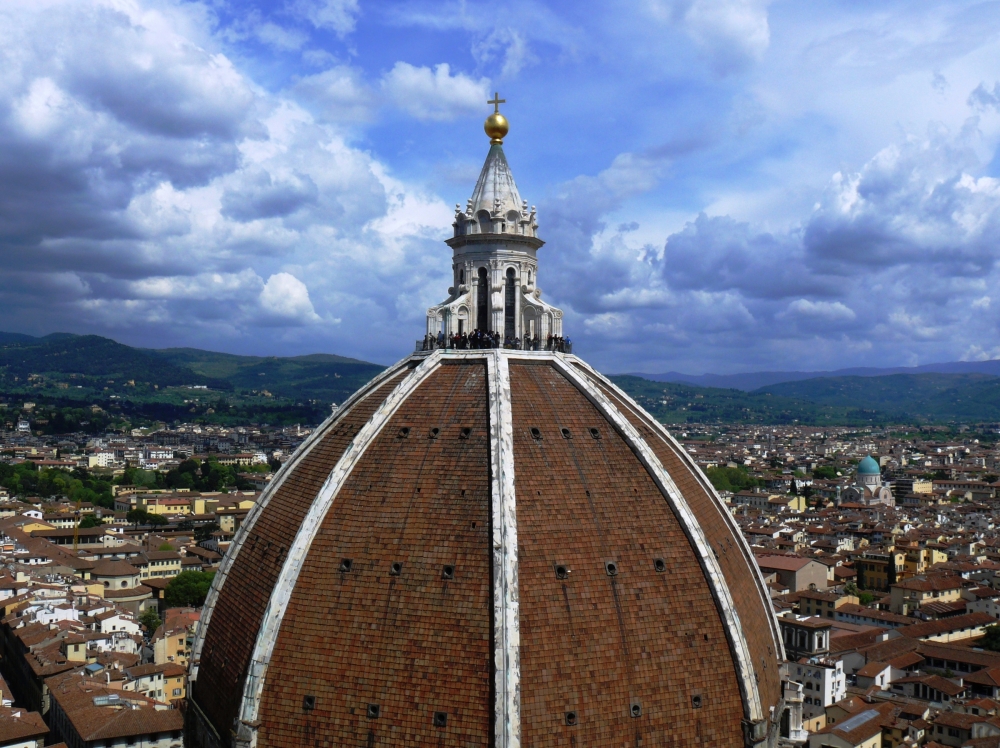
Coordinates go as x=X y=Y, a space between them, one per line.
x=707 y=557
x=285 y=585
x=272 y=488
x=685 y=457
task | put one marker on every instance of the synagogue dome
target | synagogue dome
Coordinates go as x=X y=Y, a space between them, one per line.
x=488 y=546
x=868 y=466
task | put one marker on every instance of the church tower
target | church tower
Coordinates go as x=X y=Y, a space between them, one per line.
x=495 y=262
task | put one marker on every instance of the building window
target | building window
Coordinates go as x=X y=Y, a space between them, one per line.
x=508 y=306
x=483 y=302
x=485 y=224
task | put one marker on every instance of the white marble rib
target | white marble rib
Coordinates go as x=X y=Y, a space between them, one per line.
x=689 y=523
x=272 y=488
x=281 y=594
x=506 y=626
x=707 y=485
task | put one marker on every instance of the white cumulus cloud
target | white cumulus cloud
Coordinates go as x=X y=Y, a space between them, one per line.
x=286 y=298
x=150 y=189
x=732 y=33
x=434 y=94
x=337 y=15
x=832 y=310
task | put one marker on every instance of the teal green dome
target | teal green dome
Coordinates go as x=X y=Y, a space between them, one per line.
x=868 y=466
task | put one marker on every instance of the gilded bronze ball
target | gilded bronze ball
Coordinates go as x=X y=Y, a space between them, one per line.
x=496 y=126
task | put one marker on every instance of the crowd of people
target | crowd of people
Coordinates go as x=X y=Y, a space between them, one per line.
x=479 y=339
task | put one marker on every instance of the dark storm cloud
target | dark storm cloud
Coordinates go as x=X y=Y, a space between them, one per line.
x=899 y=253
x=98 y=108
x=721 y=254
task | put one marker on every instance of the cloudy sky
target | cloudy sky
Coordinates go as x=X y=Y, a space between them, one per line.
x=723 y=185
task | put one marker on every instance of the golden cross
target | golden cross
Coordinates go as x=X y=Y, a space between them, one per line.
x=496 y=102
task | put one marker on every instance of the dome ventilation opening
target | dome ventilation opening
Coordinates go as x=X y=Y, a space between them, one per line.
x=403 y=432
x=396 y=569
x=571 y=718
x=440 y=719
x=595 y=433
x=536 y=433
x=447 y=571
x=373 y=711
x=434 y=433
x=696 y=701
x=346 y=565
x=562 y=572
x=635 y=709
x=464 y=433
x=309 y=702
x=659 y=565
x=566 y=434
x=611 y=568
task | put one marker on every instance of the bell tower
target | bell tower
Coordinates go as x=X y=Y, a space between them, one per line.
x=495 y=257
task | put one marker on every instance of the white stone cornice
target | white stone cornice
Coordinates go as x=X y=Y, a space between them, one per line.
x=265 y=498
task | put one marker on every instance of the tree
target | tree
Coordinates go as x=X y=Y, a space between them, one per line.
x=137 y=516
x=205 y=531
x=851 y=588
x=731 y=479
x=89 y=521
x=992 y=639
x=866 y=598
x=156 y=520
x=825 y=472
x=189 y=589
x=150 y=619
x=165 y=547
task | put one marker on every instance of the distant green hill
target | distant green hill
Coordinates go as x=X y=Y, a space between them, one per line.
x=903 y=397
x=187 y=383
x=93 y=359
x=176 y=383
x=318 y=376
x=681 y=403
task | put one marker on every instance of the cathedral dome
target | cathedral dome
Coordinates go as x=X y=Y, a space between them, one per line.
x=487 y=547
x=868 y=466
